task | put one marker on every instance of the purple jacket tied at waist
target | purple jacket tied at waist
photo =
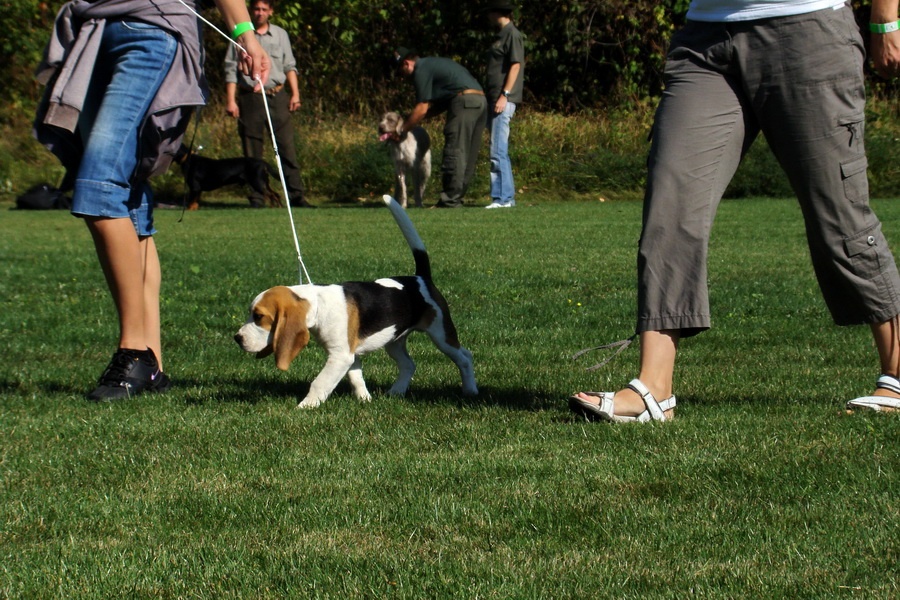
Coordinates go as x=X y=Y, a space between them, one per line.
x=68 y=64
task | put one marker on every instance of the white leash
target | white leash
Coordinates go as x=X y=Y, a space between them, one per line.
x=287 y=198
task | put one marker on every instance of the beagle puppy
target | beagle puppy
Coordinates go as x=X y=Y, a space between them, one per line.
x=352 y=318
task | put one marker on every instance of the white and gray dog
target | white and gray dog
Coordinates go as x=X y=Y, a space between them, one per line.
x=410 y=155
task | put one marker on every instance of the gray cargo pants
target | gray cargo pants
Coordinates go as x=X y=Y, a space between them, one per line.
x=799 y=80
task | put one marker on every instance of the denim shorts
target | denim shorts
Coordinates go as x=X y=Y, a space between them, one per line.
x=134 y=59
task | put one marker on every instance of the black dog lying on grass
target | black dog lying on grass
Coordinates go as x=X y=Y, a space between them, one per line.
x=203 y=174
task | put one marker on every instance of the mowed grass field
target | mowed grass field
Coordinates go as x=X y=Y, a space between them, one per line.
x=761 y=488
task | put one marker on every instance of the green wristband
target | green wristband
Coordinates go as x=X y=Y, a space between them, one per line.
x=240 y=29
x=884 y=27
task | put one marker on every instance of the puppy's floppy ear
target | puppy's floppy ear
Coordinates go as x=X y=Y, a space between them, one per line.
x=291 y=334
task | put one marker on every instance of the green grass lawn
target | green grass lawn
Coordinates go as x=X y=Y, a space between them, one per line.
x=761 y=488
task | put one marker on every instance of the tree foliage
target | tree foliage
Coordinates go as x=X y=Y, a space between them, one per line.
x=580 y=54
x=25 y=25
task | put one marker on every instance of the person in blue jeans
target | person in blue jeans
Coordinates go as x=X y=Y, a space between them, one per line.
x=122 y=79
x=505 y=77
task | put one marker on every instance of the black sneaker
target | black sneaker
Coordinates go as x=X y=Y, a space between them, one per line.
x=129 y=373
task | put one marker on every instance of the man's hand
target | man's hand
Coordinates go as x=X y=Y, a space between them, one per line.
x=885 y=52
x=232 y=110
x=254 y=62
x=293 y=84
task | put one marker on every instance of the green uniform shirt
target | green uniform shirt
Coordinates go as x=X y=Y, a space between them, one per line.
x=438 y=80
x=507 y=49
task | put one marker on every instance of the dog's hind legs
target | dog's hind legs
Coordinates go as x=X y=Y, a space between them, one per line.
x=422 y=175
x=464 y=361
x=462 y=358
x=397 y=351
x=419 y=188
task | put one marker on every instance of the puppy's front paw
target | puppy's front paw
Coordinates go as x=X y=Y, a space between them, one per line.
x=309 y=403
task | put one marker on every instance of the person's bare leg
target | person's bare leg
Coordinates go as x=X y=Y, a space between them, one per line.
x=122 y=257
x=658 y=350
x=152 y=281
x=887 y=342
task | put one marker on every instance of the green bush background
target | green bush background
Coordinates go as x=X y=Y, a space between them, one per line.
x=593 y=80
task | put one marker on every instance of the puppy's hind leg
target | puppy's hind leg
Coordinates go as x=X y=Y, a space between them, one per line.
x=397 y=351
x=443 y=334
x=466 y=364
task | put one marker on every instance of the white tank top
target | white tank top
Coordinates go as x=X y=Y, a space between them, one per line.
x=746 y=10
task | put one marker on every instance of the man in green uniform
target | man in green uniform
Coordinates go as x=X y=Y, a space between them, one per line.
x=443 y=85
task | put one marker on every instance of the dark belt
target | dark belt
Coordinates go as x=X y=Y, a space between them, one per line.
x=467 y=92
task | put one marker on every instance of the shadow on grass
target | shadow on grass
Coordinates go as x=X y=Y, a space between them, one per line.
x=261 y=389
x=10 y=389
x=198 y=392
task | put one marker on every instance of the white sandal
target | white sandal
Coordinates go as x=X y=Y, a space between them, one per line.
x=656 y=411
x=885 y=382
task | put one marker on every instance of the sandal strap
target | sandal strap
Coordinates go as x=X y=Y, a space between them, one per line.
x=668 y=403
x=887 y=382
x=653 y=406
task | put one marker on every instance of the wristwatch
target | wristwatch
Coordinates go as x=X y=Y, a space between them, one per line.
x=506 y=94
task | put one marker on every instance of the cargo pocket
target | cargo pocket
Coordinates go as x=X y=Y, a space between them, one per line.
x=853 y=175
x=863 y=251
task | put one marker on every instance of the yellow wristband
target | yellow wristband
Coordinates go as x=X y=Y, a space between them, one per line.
x=884 y=27
x=240 y=29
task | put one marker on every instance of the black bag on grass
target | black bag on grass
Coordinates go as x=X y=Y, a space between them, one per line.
x=43 y=197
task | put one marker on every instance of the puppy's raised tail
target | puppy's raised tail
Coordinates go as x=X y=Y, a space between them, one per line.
x=420 y=255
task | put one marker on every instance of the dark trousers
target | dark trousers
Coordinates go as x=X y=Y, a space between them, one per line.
x=466 y=119
x=252 y=127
